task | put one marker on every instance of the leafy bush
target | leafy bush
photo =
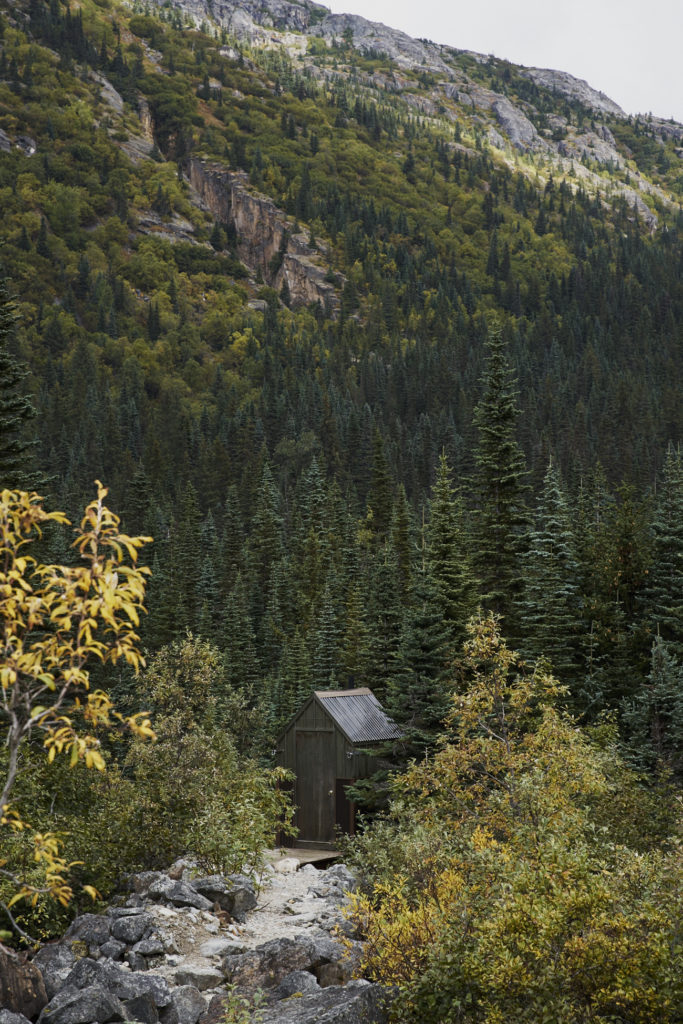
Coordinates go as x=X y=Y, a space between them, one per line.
x=535 y=909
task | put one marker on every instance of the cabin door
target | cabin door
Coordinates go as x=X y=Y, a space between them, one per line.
x=315 y=785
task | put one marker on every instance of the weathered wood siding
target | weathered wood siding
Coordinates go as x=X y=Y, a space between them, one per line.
x=316 y=750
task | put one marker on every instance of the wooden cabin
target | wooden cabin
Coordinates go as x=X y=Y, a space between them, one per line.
x=324 y=746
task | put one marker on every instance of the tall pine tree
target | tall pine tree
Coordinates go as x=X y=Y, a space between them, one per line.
x=499 y=488
x=16 y=409
x=552 y=601
x=448 y=555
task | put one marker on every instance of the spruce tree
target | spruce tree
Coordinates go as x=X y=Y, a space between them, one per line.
x=448 y=556
x=552 y=601
x=663 y=594
x=16 y=409
x=380 y=497
x=499 y=488
x=418 y=695
x=385 y=619
x=653 y=718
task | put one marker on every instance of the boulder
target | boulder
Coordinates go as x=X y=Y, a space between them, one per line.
x=296 y=983
x=87 y=972
x=7 y=1017
x=266 y=966
x=92 y=1005
x=189 y=1004
x=54 y=963
x=92 y=929
x=133 y=928
x=127 y=911
x=201 y=975
x=22 y=989
x=359 y=1002
x=182 y=894
x=221 y=947
x=141 y=1008
x=153 y=946
x=124 y=984
x=234 y=894
x=340 y=876
x=130 y=984
x=113 y=949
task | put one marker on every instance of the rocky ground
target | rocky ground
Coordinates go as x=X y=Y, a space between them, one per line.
x=183 y=950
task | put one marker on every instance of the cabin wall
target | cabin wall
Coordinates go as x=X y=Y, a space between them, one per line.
x=339 y=760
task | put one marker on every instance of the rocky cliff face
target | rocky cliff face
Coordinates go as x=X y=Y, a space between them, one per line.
x=265 y=242
x=508 y=123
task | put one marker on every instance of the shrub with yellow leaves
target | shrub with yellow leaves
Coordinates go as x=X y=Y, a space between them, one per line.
x=540 y=906
x=55 y=621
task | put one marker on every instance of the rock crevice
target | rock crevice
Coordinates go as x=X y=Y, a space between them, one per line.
x=265 y=239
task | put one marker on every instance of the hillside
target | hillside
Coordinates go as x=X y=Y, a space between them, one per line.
x=257 y=252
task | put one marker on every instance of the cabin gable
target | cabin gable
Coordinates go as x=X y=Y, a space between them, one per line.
x=324 y=746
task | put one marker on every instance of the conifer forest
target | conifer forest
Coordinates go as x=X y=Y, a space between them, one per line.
x=379 y=362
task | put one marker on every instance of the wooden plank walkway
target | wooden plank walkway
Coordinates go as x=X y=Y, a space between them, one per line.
x=303 y=854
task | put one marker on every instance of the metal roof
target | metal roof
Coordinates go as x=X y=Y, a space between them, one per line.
x=359 y=715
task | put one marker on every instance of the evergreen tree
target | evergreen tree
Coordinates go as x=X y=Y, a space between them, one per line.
x=448 y=556
x=265 y=542
x=380 y=498
x=239 y=643
x=663 y=593
x=552 y=622
x=325 y=642
x=402 y=537
x=385 y=620
x=654 y=716
x=418 y=695
x=16 y=409
x=499 y=488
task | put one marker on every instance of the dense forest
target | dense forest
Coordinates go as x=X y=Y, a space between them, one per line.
x=473 y=433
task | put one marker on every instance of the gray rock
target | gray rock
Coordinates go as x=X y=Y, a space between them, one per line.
x=243 y=895
x=92 y=929
x=234 y=894
x=517 y=127
x=141 y=1008
x=136 y=961
x=8 y=1017
x=125 y=911
x=113 y=949
x=574 y=88
x=352 y=1004
x=141 y=882
x=182 y=894
x=153 y=946
x=132 y=984
x=87 y=972
x=189 y=1004
x=221 y=947
x=296 y=982
x=83 y=1006
x=201 y=976
x=133 y=928
x=54 y=963
x=124 y=984
x=267 y=965
x=340 y=874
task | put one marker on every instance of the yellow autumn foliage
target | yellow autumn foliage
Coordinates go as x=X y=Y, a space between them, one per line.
x=539 y=906
x=55 y=620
